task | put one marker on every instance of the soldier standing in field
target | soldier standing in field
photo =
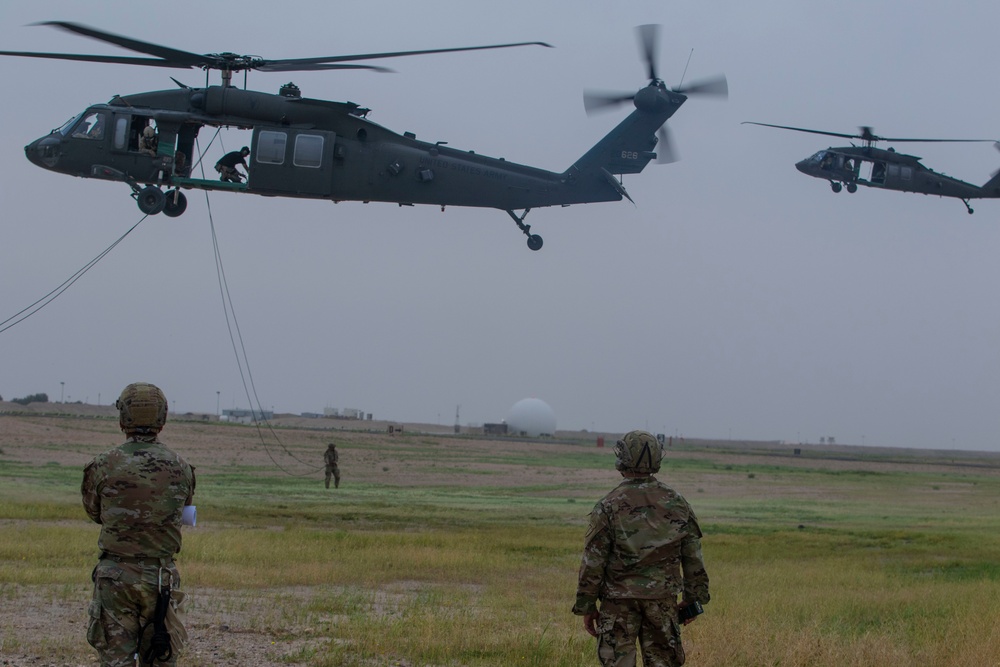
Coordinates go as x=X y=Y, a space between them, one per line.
x=330 y=458
x=641 y=553
x=137 y=492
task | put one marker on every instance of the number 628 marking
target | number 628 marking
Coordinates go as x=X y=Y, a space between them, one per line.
x=630 y=155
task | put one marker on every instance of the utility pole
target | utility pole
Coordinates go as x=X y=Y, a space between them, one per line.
x=457 y=427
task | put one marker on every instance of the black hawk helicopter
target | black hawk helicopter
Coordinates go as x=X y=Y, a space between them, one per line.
x=321 y=149
x=874 y=167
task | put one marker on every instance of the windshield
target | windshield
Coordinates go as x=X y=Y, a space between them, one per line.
x=68 y=124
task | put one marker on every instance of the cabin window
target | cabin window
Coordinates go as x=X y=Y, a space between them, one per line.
x=271 y=147
x=121 y=132
x=91 y=126
x=906 y=173
x=308 y=151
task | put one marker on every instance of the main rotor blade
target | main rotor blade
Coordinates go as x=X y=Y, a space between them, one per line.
x=802 y=129
x=649 y=42
x=118 y=60
x=600 y=101
x=176 y=56
x=868 y=136
x=394 y=54
x=714 y=86
x=320 y=66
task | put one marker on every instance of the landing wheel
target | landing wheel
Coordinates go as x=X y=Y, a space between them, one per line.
x=175 y=203
x=836 y=187
x=534 y=240
x=967 y=207
x=151 y=200
x=852 y=187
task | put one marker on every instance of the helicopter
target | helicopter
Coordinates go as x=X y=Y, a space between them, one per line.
x=320 y=149
x=872 y=167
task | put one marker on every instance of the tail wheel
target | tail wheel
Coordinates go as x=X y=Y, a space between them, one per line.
x=534 y=242
x=151 y=200
x=175 y=203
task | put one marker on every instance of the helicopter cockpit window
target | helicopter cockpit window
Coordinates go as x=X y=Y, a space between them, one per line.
x=91 y=126
x=308 y=151
x=271 y=147
x=64 y=130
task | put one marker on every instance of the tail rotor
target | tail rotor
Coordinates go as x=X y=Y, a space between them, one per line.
x=656 y=95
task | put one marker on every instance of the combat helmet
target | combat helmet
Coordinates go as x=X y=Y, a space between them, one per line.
x=142 y=408
x=638 y=451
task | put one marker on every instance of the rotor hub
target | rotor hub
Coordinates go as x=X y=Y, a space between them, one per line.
x=656 y=98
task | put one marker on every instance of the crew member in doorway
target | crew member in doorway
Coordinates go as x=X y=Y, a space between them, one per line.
x=148 y=141
x=227 y=165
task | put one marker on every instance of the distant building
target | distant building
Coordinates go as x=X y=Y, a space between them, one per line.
x=495 y=429
x=246 y=416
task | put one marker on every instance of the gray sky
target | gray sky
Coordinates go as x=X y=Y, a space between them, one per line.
x=739 y=298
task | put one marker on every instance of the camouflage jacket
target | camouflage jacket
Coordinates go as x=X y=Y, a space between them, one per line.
x=136 y=491
x=331 y=457
x=643 y=542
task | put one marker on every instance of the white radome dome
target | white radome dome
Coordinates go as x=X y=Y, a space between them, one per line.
x=533 y=417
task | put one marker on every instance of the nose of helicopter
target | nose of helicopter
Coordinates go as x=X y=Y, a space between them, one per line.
x=43 y=152
x=802 y=165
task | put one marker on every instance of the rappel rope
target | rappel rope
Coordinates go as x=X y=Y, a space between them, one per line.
x=28 y=311
x=239 y=350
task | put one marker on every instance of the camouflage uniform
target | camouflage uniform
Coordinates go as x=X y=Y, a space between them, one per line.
x=330 y=458
x=642 y=550
x=136 y=491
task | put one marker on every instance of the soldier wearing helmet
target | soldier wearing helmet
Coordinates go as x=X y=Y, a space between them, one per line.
x=642 y=562
x=332 y=469
x=137 y=492
x=148 y=142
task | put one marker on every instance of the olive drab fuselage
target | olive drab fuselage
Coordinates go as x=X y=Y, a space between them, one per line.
x=885 y=168
x=320 y=149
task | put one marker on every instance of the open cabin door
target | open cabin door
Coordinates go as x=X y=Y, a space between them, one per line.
x=292 y=162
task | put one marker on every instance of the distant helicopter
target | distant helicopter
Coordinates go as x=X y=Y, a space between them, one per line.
x=320 y=149
x=886 y=169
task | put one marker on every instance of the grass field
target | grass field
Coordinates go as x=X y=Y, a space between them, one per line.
x=443 y=550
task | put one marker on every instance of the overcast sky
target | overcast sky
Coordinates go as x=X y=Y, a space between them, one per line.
x=737 y=298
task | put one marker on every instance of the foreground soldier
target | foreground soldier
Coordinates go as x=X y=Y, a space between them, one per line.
x=137 y=491
x=642 y=551
x=330 y=458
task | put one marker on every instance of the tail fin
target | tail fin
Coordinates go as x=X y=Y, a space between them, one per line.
x=627 y=149
x=991 y=188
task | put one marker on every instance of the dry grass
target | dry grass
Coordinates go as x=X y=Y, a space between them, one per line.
x=463 y=551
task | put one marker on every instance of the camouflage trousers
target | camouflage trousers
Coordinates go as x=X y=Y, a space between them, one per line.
x=123 y=606
x=653 y=623
x=333 y=471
